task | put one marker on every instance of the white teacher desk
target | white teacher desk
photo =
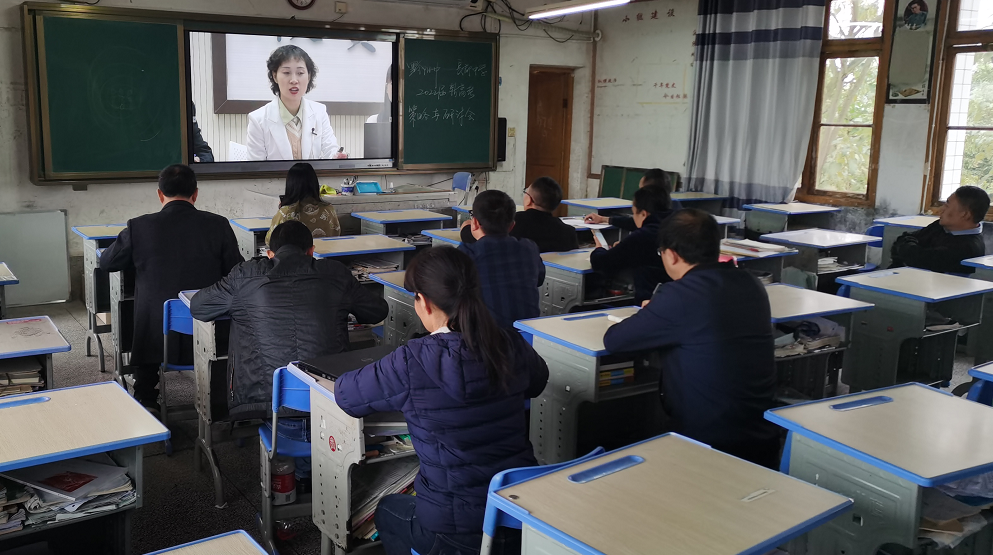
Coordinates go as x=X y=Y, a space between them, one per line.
x=850 y=249
x=572 y=346
x=35 y=339
x=62 y=424
x=897 y=226
x=606 y=206
x=231 y=543
x=400 y=222
x=338 y=452
x=6 y=278
x=773 y=218
x=902 y=299
x=251 y=233
x=708 y=202
x=981 y=338
x=812 y=375
x=96 y=282
x=441 y=237
x=570 y=282
x=670 y=496
x=402 y=321
x=882 y=448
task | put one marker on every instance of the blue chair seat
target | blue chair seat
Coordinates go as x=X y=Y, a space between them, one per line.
x=288 y=447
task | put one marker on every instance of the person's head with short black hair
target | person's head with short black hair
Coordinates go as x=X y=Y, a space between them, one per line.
x=648 y=201
x=291 y=67
x=544 y=194
x=301 y=184
x=965 y=208
x=492 y=214
x=688 y=239
x=291 y=233
x=177 y=182
x=656 y=176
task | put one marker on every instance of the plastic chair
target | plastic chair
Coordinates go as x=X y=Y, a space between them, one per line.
x=290 y=392
x=461 y=181
x=876 y=231
x=494 y=518
x=844 y=291
x=176 y=318
x=981 y=392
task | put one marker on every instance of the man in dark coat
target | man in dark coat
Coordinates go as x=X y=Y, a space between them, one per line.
x=283 y=308
x=175 y=249
x=537 y=221
x=956 y=236
x=711 y=325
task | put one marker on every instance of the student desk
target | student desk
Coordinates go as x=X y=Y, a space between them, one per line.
x=231 y=543
x=812 y=375
x=897 y=226
x=6 y=278
x=891 y=343
x=773 y=218
x=724 y=223
x=572 y=346
x=813 y=244
x=402 y=321
x=74 y=422
x=351 y=249
x=882 y=448
x=441 y=237
x=463 y=212
x=605 y=206
x=34 y=338
x=668 y=495
x=771 y=264
x=96 y=282
x=338 y=448
x=707 y=202
x=981 y=338
x=570 y=282
x=400 y=222
x=251 y=233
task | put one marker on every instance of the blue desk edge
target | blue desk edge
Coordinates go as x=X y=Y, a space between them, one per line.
x=251 y=229
x=856 y=285
x=218 y=536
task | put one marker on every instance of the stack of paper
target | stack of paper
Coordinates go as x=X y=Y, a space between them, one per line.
x=11 y=512
x=364 y=268
x=20 y=375
x=374 y=481
x=947 y=521
x=753 y=249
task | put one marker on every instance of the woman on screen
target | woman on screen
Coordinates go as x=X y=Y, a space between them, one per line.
x=290 y=127
x=385 y=114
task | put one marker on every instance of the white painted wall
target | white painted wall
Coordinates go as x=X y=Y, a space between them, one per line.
x=117 y=202
x=901 y=159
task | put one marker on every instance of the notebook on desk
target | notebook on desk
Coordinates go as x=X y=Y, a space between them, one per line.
x=331 y=366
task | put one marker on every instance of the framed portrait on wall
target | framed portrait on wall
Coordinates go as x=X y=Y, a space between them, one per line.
x=912 y=58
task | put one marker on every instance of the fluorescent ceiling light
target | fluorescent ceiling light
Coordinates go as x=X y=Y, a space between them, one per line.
x=565 y=8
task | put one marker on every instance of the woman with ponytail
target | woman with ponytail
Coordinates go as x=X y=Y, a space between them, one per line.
x=462 y=391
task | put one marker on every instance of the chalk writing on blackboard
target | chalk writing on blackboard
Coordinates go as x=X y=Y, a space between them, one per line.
x=417 y=68
x=456 y=116
x=454 y=90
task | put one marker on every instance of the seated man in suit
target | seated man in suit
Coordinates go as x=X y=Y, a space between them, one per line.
x=537 y=222
x=656 y=177
x=510 y=269
x=287 y=307
x=956 y=236
x=638 y=252
x=175 y=249
x=711 y=328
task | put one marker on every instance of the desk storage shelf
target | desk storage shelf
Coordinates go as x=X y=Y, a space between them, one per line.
x=250 y=233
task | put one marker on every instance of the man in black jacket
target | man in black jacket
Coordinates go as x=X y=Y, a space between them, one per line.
x=638 y=252
x=537 y=222
x=956 y=236
x=175 y=249
x=283 y=308
x=712 y=328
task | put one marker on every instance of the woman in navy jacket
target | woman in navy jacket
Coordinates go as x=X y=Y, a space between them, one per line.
x=462 y=391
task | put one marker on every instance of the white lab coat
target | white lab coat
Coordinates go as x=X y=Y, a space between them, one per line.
x=267 y=138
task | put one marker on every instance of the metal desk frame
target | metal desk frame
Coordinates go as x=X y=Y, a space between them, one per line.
x=96 y=285
x=250 y=233
x=6 y=278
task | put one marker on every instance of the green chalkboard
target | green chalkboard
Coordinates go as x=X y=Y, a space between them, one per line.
x=621 y=182
x=110 y=96
x=448 y=103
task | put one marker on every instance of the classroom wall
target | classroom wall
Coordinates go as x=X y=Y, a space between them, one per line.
x=115 y=203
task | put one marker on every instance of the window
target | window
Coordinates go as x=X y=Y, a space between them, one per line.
x=963 y=141
x=844 y=142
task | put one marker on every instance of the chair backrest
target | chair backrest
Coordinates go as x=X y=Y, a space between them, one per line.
x=844 y=291
x=289 y=391
x=875 y=231
x=494 y=517
x=176 y=317
x=461 y=181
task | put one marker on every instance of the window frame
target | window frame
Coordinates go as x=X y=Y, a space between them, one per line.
x=952 y=42
x=878 y=47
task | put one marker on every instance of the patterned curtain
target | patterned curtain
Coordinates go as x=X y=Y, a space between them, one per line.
x=757 y=64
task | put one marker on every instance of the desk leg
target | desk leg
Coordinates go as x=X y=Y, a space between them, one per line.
x=3 y=303
x=205 y=442
x=886 y=510
x=49 y=372
x=92 y=335
x=327 y=546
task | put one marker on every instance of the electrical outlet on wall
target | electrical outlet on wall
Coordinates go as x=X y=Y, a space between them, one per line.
x=341 y=7
x=511 y=131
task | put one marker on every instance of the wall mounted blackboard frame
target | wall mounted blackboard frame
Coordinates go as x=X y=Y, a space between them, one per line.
x=186 y=22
